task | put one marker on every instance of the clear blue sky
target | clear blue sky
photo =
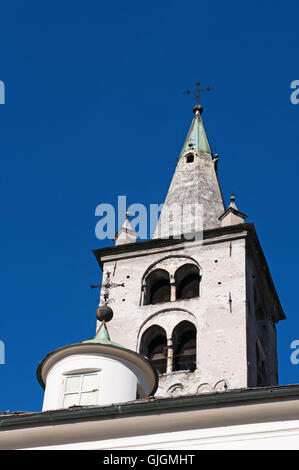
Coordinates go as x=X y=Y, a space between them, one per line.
x=94 y=109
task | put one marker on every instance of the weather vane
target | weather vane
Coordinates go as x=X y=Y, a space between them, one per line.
x=107 y=285
x=197 y=91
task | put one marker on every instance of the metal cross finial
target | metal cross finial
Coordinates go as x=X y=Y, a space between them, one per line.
x=107 y=285
x=197 y=91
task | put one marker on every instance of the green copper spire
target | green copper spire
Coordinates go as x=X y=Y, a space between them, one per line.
x=102 y=337
x=102 y=333
x=197 y=137
x=194 y=184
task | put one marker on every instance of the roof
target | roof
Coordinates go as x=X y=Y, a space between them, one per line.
x=100 y=345
x=102 y=337
x=196 y=138
x=246 y=396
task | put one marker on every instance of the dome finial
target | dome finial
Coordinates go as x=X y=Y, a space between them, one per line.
x=104 y=313
x=197 y=109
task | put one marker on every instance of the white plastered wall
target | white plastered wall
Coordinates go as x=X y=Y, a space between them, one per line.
x=117 y=383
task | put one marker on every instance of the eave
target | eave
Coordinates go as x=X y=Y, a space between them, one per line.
x=231 y=398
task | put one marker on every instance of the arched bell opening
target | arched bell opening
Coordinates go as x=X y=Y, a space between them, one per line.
x=154 y=346
x=187 y=279
x=157 y=287
x=184 y=346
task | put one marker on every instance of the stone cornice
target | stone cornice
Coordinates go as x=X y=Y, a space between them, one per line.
x=140 y=246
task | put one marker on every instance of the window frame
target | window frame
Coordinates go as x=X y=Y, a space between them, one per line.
x=79 y=392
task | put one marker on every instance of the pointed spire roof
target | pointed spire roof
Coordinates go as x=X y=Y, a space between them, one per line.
x=125 y=234
x=232 y=202
x=194 y=188
x=127 y=225
x=102 y=337
x=103 y=334
x=197 y=138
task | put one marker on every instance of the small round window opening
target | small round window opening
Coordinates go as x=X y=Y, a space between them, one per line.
x=190 y=158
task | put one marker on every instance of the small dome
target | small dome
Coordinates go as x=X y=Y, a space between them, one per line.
x=104 y=313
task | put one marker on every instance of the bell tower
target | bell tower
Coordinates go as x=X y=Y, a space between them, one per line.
x=198 y=299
